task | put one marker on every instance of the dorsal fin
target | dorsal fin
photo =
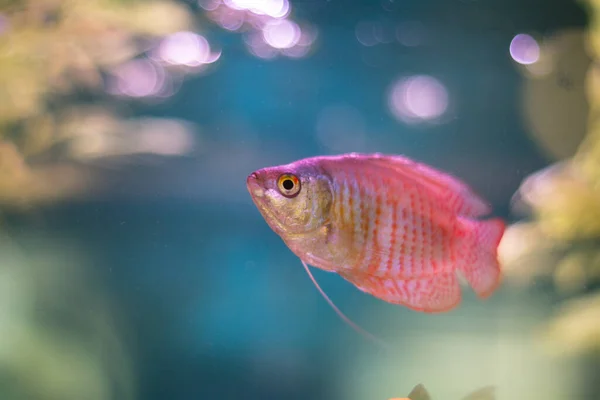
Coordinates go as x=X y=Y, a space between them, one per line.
x=445 y=187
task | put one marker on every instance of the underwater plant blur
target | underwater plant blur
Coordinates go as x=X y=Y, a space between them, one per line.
x=134 y=264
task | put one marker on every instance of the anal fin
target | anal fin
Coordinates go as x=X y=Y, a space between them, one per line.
x=434 y=294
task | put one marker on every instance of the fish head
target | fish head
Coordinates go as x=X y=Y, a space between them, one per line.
x=294 y=199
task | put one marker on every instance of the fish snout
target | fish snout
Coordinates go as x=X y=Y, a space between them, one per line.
x=254 y=185
x=253 y=177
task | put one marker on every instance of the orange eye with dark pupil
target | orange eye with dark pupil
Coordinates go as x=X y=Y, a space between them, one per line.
x=288 y=185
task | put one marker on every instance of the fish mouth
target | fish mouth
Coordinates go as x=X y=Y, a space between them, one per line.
x=257 y=193
x=254 y=186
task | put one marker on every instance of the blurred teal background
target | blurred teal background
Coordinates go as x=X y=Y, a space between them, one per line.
x=210 y=303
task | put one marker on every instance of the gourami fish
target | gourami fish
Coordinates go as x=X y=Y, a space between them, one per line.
x=395 y=228
x=420 y=393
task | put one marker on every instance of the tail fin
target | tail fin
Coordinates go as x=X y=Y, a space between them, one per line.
x=478 y=254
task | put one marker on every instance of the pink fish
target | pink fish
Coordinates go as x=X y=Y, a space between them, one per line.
x=396 y=229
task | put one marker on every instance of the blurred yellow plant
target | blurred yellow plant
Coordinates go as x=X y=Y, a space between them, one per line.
x=48 y=49
x=50 y=44
x=562 y=240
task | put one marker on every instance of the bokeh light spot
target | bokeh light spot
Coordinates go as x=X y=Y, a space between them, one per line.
x=297 y=51
x=418 y=98
x=231 y=20
x=271 y=8
x=137 y=78
x=365 y=33
x=257 y=46
x=185 y=48
x=524 y=49
x=281 y=34
x=209 y=5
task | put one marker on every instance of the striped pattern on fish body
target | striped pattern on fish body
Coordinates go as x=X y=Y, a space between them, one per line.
x=391 y=227
x=394 y=225
x=396 y=229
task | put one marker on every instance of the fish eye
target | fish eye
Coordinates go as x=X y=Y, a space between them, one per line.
x=288 y=185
